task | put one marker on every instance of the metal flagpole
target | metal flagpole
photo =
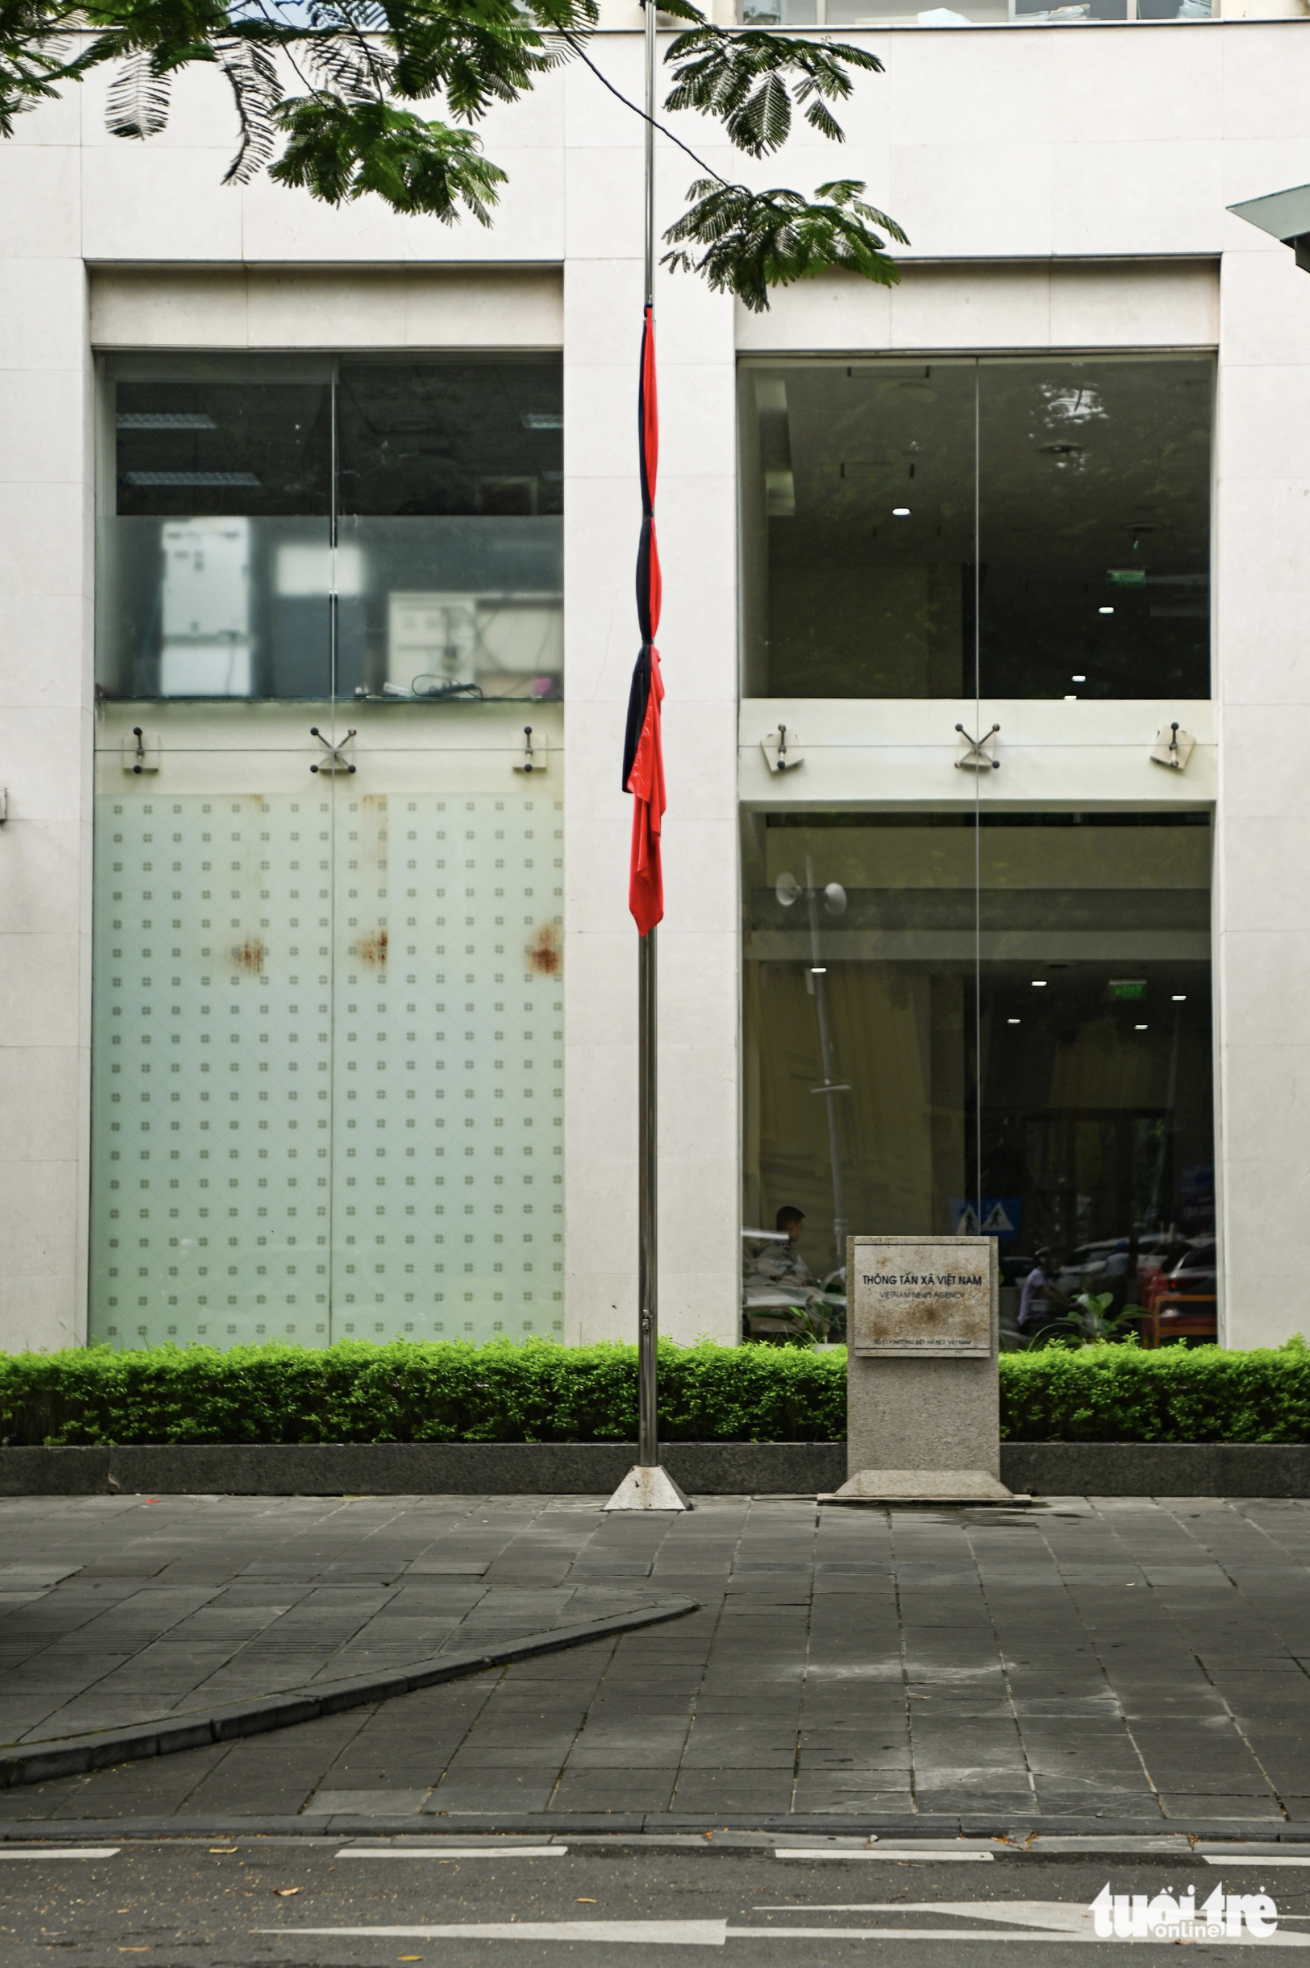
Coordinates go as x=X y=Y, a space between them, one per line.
x=648 y=1454
x=647 y=1486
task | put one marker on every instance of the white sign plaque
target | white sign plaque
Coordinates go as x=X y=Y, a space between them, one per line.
x=922 y=1297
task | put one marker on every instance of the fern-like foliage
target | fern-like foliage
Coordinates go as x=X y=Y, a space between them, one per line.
x=338 y=150
x=252 y=76
x=748 y=79
x=755 y=240
x=137 y=104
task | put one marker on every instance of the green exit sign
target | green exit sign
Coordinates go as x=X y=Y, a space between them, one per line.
x=1126 y=989
x=1126 y=577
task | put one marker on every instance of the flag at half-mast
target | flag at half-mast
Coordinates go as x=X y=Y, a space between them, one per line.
x=643 y=750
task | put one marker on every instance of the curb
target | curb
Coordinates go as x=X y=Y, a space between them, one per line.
x=654 y=1827
x=414 y=1468
x=73 y=1756
x=1160 y=1469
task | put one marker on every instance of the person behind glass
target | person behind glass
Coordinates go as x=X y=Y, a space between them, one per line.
x=782 y=1264
x=1041 y=1300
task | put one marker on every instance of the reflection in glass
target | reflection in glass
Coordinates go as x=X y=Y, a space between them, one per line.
x=286 y=527
x=1032 y=1053
x=1094 y=559
x=1011 y=528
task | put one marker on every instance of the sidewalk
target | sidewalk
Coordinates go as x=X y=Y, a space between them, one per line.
x=1122 y=1660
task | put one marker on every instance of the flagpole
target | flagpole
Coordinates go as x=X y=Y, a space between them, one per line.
x=647 y=1486
x=648 y=1453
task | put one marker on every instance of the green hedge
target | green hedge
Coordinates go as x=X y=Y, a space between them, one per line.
x=1175 y=1394
x=441 y=1391
x=541 y=1392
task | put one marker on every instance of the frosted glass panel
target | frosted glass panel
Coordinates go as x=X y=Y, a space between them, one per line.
x=327 y=1065
x=448 y=1132
x=211 y=1069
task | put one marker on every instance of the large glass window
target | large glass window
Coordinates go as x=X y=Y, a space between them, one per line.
x=964 y=13
x=1005 y=1022
x=375 y=528
x=998 y=527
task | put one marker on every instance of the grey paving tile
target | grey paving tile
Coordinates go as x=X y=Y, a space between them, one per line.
x=375 y=1803
x=502 y=1790
x=736 y=1790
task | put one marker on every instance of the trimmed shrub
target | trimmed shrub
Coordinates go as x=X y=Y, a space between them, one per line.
x=431 y=1391
x=452 y=1391
x=1171 y=1394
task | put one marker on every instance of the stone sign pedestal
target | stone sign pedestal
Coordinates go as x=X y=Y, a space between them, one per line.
x=923 y=1399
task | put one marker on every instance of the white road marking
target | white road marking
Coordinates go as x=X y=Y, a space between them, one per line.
x=452 y=1851
x=983 y=1934
x=883 y=1852
x=715 y=1933
x=1261 y=1859
x=60 y=1852
x=687 y=1933
x=1052 y=1915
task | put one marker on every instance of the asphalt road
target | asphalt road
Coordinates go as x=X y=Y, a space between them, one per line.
x=316 y=1902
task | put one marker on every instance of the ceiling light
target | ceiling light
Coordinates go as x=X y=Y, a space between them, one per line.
x=900 y=512
x=1105 y=611
x=1078 y=679
x=194 y=478
x=1039 y=983
x=1012 y=1021
x=1139 y=1028
x=165 y=420
x=1072 y=697
x=1180 y=997
x=818 y=970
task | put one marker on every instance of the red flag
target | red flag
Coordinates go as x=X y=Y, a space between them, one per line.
x=643 y=749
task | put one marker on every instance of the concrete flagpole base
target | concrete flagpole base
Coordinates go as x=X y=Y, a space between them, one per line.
x=648 y=1487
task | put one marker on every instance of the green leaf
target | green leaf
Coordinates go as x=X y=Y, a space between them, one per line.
x=750 y=80
x=474 y=52
x=755 y=240
x=338 y=150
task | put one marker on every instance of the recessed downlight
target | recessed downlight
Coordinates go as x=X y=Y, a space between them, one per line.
x=900 y=512
x=1139 y=1028
x=1078 y=679
x=1012 y=1021
x=1105 y=611
x=1180 y=997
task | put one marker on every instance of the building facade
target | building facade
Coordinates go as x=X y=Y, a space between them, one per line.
x=316 y=626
